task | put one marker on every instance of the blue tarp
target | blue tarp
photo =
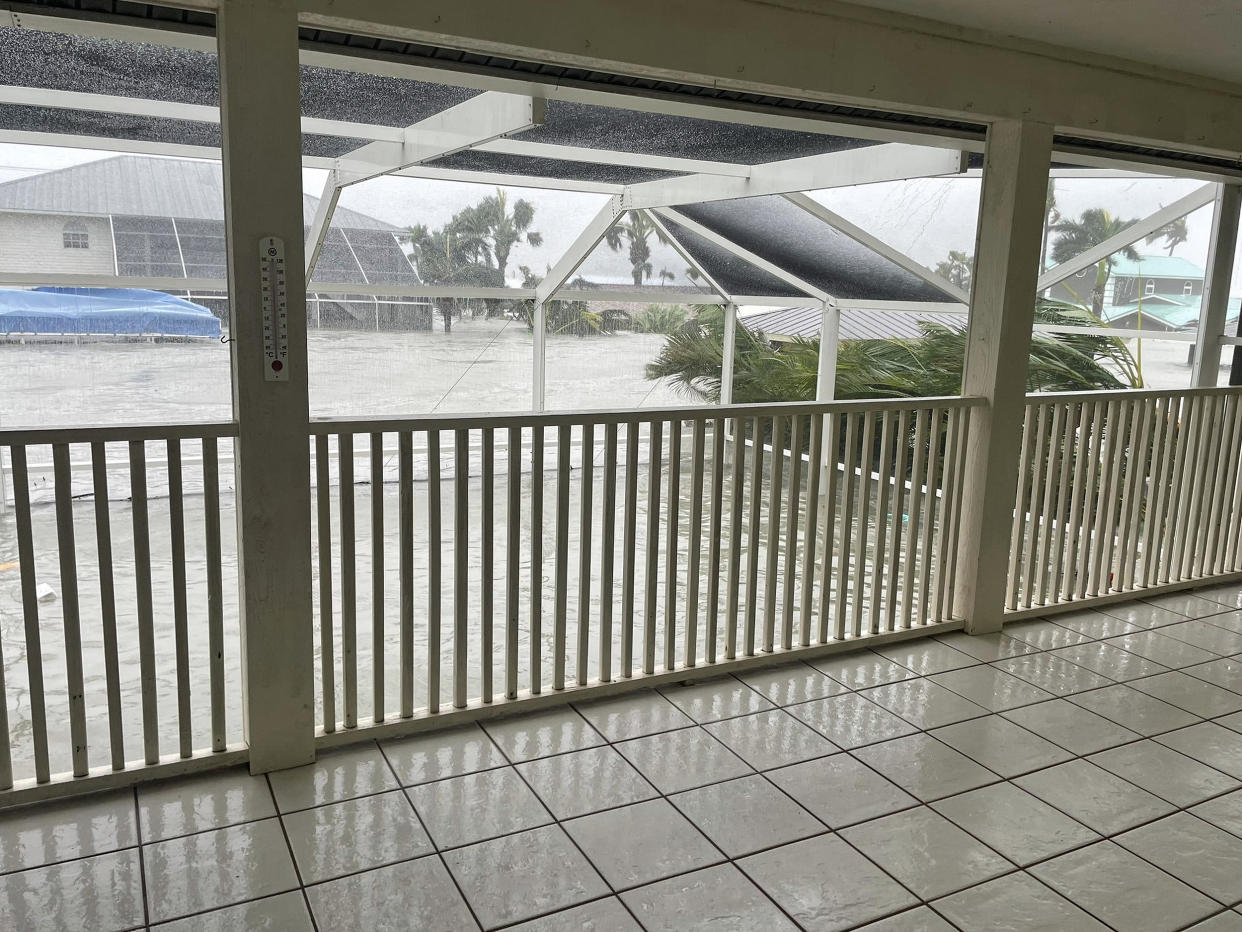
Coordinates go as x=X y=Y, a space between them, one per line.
x=107 y=311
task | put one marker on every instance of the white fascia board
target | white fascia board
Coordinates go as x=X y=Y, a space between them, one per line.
x=862 y=237
x=1131 y=234
x=474 y=121
x=581 y=247
x=109 y=144
x=496 y=178
x=681 y=251
x=892 y=162
x=380 y=290
x=542 y=150
x=620 y=295
x=757 y=261
x=759 y=300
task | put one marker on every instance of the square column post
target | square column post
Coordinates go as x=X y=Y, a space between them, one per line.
x=1215 y=304
x=727 y=352
x=262 y=143
x=998 y=346
x=829 y=347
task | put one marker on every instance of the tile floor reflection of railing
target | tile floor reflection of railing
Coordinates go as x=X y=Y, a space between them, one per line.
x=1074 y=773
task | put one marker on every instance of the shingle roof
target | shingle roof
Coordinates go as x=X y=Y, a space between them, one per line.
x=1157 y=267
x=804 y=322
x=140 y=186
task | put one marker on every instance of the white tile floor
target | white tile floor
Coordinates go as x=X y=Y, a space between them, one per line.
x=1079 y=773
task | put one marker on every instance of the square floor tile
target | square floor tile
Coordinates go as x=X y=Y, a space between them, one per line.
x=1192 y=694
x=1124 y=891
x=840 y=790
x=1209 y=744
x=796 y=682
x=1014 y=823
x=1194 y=852
x=1015 y=903
x=926 y=655
x=355 y=835
x=986 y=647
x=718 y=899
x=336 y=776
x=1095 y=625
x=682 y=760
x=1230 y=620
x=585 y=781
x=1134 y=710
x=1207 y=636
x=524 y=875
x=440 y=754
x=597 y=916
x=1142 y=614
x=194 y=804
x=861 y=669
x=1054 y=674
x=101 y=893
x=1165 y=772
x=633 y=715
x=1223 y=812
x=525 y=737
x=920 y=919
x=1233 y=722
x=641 y=843
x=470 y=808
x=1109 y=660
x=1094 y=797
x=285 y=912
x=851 y=721
x=713 y=700
x=771 y=739
x=49 y=832
x=1072 y=727
x=1226 y=673
x=1190 y=604
x=1001 y=746
x=1044 y=634
x=1229 y=594
x=1225 y=922
x=991 y=688
x=747 y=815
x=926 y=852
x=1168 y=652
x=211 y=869
x=923 y=703
x=924 y=767
x=411 y=895
x=825 y=885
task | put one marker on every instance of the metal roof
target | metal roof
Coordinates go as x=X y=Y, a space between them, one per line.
x=142 y=186
x=1157 y=267
x=856 y=324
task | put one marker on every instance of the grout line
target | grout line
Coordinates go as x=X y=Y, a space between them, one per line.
x=297 y=870
x=142 y=869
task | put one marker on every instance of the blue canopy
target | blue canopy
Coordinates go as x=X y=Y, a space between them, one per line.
x=109 y=311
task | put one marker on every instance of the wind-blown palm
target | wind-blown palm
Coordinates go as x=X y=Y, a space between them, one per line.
x=637 y=230
x=1173 y=233
x=498 y=229
x=1074 y=237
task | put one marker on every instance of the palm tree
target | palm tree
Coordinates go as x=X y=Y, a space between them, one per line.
x=1173 y=233
x=500 y=229
x=1074 y=237
x=637 y=230
x=957 y=269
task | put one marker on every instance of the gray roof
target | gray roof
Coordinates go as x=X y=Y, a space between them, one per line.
x=804 y=322
x=143 y=186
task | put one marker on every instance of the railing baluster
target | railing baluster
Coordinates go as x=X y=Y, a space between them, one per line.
x=898 y=522
x=810 y=530
x=67 y=551
x=30 y=612
x=736 y=493
x=926 y=616
x=145 y=610
x=181 y=633
x=1234 y=502
x=693 y=556
x=1153 y=527
x=1030 y=590
x=773 y=536
x=561 y=595
x=1224 y=518
x=1123 y=492
x=585 y=533
x=917 y=478
x=327 y=639
x=1073 y=538
x=487 y=533
x=1213 y=458
x=405 y=531
x=461 y=566
x=863 y=528
x=827 y=508
x=1136 y=491
x=1091 y=503
x=1016 y=536
x=1060 y=528
x=215 y=590
x=791 y=530
x=435 y=555
x=107 y=600
x=1099 y=525
x=1116 y=490
x=1187 y=481
x=1048 y=503
x=6 y=758
x=943 y=540
x=955 y=513
x=713 y=543
x=378 y=599
x=844 y=531
x=884 y=473
x=349 y=593
x=651 y=582
x=752 y=535
x=513 y=560
x=536 y=559
x=671 y=538
x=608 y=542
x=629 y=548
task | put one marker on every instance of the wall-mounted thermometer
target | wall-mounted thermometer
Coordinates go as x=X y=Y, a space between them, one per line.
x=275 y=309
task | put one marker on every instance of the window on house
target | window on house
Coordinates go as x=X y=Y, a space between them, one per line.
x=1188 y=288
x=75 y=237
x=1149 y=288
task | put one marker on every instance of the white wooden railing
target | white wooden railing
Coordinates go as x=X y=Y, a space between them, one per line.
x=1124 y=491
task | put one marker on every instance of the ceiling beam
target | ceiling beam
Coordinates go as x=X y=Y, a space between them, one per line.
x=581 y=247
x=891 y=162
x=1131 y=234
x=499 y=178
x=543 y=150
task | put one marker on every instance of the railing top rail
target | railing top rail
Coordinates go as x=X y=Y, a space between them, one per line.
x=1126 y=394
x=34 y=436
x=331 y=425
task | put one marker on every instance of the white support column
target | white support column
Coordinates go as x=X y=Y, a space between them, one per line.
x=829 y=346
x=259 y=96
x=998 y=343
x=1215 y=304
x=728 y=347
x=539 y=323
